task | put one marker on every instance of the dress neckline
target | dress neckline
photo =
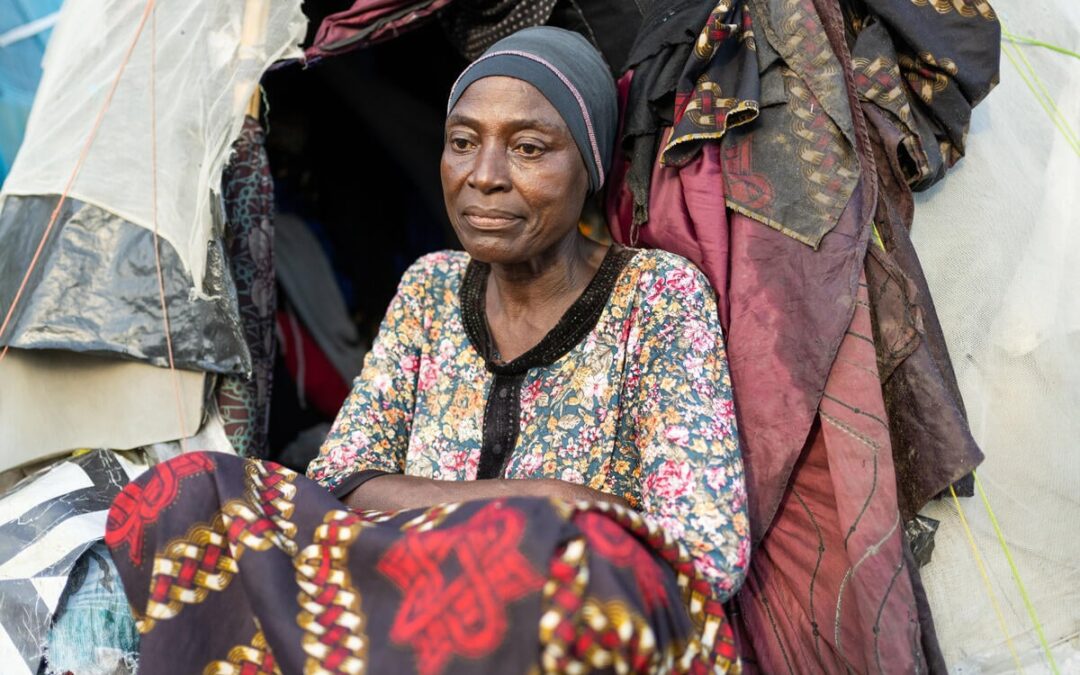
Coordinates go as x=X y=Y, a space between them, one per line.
x=576 y=323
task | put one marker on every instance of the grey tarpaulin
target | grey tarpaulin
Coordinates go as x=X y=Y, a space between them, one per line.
x=95 y=290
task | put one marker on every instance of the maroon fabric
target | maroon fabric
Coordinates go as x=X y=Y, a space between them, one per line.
x=783 y=306
x=368 y=22
x=830 y=588
x=930 y=434
x=320 y=381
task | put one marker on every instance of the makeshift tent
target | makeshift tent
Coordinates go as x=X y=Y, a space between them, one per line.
x=995 y=237
x=94 y=289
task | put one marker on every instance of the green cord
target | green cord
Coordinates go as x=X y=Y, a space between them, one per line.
x=986 y=580
x=1022 y=40
x=1044 y=98
x=1016 y=576
x=1050 y=107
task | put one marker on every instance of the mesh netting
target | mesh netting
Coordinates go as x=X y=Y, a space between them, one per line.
x=1000 y=243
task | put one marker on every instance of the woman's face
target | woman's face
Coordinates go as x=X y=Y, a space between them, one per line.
x=513 y=179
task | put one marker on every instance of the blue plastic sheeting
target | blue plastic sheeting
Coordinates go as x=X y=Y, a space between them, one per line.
x=24 y=32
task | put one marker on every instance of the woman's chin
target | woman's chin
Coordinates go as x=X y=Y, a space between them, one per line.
x=491 y=248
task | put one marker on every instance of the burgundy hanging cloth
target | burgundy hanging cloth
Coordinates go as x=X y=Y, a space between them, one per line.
x=788 y=186
x=368 y=22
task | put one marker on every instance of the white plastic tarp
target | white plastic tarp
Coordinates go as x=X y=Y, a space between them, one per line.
x=999 y=240
x=209 y=58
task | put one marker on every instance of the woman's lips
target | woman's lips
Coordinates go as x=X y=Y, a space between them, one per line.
x=489 y=221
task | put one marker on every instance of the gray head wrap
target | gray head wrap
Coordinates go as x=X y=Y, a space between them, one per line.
x=571 y=74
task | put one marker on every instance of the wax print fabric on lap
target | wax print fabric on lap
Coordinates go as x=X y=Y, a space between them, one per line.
x=46 y=523
x=489 y=586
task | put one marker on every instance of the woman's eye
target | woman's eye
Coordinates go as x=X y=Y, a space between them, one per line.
x=529 y=149
x=460 y=144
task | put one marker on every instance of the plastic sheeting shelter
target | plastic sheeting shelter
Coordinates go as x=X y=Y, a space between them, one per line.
x=999 y=240
x=94 y=291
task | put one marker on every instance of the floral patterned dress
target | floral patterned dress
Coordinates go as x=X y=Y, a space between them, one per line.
x=640 y=407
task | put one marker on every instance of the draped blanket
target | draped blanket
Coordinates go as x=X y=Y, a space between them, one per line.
x=252 y=568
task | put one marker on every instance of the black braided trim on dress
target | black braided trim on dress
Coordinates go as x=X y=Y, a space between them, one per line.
x=502 y=412
x=576 y=323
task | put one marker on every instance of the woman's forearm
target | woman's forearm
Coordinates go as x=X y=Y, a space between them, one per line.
x=395 y=492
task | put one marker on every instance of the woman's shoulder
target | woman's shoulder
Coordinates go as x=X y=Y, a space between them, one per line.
x=435 y=270
x=659 y=271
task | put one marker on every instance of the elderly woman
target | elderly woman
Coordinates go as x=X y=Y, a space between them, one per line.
x=539 y=461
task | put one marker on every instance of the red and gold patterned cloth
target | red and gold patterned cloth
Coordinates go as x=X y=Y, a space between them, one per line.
x=241 y=566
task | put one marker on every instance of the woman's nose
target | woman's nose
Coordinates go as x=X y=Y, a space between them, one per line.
x=490 y=172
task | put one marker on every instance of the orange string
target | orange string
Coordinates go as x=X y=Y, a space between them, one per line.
x=154 y=216
x=74 y=174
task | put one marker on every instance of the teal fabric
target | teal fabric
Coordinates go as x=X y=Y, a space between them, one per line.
x=94 y=632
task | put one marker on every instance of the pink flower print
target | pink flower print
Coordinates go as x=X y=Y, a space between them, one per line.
x=656 y=290
x=529 y=393
x=678 y=435
x=429 y=373
x=452 y=462
x=472 y=464
x=701 y=338
x=596 y=385
x=743 y=557
x=571 y=475
x=359 y=440
x=446 y=350
x=378 y=350
x=382 y=382
x=410 y=364
x=725 y=409
x=341 y=456
x=681 y=280
x=671 y=481
x=716 y=478
x=529 y=465
x=694 y=366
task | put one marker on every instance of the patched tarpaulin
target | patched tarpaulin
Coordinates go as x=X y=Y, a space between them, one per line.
x=95 y=288
x=46 y=523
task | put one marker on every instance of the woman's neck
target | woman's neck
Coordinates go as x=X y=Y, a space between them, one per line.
x=525 y=301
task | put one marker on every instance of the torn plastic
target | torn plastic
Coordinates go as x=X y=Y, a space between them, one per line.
x=920 y=532
x=46 y=523
x=95 y=290
x=209 y=59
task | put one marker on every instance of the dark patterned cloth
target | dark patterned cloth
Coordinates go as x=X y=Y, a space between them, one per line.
x=766 y=81
x=367 y=22
x=928 y=63
x=248 y=190
x=255 y=569
x=845 y=394
x=475 y=25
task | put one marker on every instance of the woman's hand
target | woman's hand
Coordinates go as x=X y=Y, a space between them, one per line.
x=397 y=492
